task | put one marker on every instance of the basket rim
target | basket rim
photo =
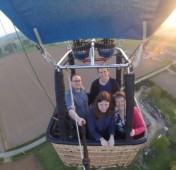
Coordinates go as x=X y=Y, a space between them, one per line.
x=118 y=142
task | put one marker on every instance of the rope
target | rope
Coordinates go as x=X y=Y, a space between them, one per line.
x=4 y=30
x=73 y=106
x=136 y=49
x=33 y=68
x=46 y=55
x=69 y=47
x=43 y=50
x=18 y=57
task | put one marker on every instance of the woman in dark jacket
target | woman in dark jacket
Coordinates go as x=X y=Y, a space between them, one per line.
x=101 y=121
x=104 y=83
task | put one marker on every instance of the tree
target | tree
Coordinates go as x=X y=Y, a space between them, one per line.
x=10 y=47
x=1 y=52
x=161 y=144
x=155 y=93
x=173 y=165
x=26 y=42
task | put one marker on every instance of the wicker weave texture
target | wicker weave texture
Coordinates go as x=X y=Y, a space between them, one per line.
x=99 y=156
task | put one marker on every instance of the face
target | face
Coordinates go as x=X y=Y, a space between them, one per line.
x=103 y=106
x=120 y=102
x=103 y=73
x=76 y=82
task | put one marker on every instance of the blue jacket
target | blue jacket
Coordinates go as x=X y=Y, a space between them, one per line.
x=80 y=102
x=100 y=128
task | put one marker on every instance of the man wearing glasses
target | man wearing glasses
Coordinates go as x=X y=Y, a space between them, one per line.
x=80 y=98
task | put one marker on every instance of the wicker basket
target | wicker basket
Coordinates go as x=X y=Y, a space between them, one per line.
x=100 y=156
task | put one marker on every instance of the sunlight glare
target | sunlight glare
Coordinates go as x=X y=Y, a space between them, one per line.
x=171 y=21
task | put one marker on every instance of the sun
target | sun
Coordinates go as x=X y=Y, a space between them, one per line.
x=170 y=21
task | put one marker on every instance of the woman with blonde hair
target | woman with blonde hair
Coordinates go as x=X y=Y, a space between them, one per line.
x=120 y=117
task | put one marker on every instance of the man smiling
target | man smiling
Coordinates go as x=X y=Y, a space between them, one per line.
x=79 y=113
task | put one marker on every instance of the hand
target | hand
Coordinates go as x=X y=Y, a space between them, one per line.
x=104 y=142
x=81 y=121
x=111 y=141
x=132 y=132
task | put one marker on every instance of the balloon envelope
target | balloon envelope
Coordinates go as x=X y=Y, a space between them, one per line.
x=60 y=20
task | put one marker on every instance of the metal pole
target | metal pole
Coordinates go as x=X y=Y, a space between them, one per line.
x=61 y=111
x=118 y=71
x=86 y=160
x=92 y=52
x=71 y=62
x=129 y=90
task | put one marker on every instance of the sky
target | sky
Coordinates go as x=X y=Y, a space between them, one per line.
x=171 y=20
x=7 y=25
x=9 y=28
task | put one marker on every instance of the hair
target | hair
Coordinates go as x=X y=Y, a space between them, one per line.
x=119 y=94
x=104 y=95
x=71 y=77
x=101 y=68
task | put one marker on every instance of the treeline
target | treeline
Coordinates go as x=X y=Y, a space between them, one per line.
x=14 y=45
x=156 y=92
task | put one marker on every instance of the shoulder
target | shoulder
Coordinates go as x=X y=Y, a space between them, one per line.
x=136 y=111
x=91 y=112
x=83 y=93
x=83 y=90
x=67 y=92
x=96 y=81
x=108 y=118
x=114 y=81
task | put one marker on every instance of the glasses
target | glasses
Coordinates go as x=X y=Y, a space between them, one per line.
x=76 y=81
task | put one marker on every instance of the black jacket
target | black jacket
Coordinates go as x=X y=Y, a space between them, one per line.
x=94 y=90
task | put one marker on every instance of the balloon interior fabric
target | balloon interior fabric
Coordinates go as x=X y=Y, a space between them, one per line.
x=61 y=20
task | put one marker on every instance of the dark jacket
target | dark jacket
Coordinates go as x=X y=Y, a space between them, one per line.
x=95 y=89
x=100 y=128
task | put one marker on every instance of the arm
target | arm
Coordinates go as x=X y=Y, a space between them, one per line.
x=75 y=117
x=71 y=109
x=112 y=126
x=92 y=126
x=111 y=141
x=139 y=124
